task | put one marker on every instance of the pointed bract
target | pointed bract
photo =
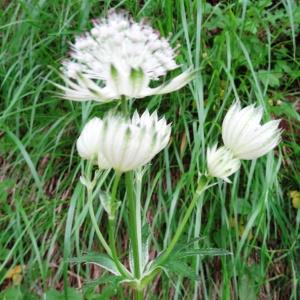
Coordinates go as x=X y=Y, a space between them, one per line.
x=221 y=163
x=130 y=144
x=124 y=144
x=244 y=135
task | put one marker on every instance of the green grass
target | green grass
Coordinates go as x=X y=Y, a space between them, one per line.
x=241 y=49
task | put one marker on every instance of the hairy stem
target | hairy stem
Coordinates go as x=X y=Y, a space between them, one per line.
x=134 y=224
x=112 y=226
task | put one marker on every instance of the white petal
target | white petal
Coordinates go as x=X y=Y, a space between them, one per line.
x=228 y=122
x=85 y=90
x=137 y=52
x=136 y=157
x=129 y=144
x=244 y=135
x=174 y=85
x=103 y=164
x=89 y=139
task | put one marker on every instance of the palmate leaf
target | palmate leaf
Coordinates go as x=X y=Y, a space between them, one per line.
x=186 y=244
x=101 y=260
x=179 y=248
x=104 y=279
x=180 y=268
x=186 y=249
x=177 y=264
x=110 y=282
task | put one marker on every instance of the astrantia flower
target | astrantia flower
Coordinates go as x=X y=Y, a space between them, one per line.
x=88 y=141
x=221 y=163
x=124 y=144
x=119 y=57
x=243 y=134
x=129 y=144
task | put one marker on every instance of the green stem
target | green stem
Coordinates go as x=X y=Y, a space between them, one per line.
x=94 y=222
x=139 y=295
x=203 y=182
x=113 y=195
x=112 y=226
x=114 y=255
x=201 y=186
x=134 y=224
x=109 y=249
x=90 y=188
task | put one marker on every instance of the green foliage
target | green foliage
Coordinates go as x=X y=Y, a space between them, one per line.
x=101 y=260
x=12 y=293
x=52 y=294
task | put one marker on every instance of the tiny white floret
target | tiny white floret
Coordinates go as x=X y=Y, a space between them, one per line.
x=119 y=58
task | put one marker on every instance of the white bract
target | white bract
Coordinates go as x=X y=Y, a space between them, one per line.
x=244 y=139
x=221 y=163
x=124 y=144
x=243 y=134
x=127 y=144
x=119 y=57
x=88 y=141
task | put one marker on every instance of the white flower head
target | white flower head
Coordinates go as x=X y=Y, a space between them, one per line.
x=119 y=57
x=243 y=134
x=88 y=141
x=127 y=144
x=123 y=144
x=221 y=163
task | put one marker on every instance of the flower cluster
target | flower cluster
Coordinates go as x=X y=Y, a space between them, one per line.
x=119 y=58
x=244 y=139
x=123 y=144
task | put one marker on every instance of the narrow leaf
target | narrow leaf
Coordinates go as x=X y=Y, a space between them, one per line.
x=203 y=252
